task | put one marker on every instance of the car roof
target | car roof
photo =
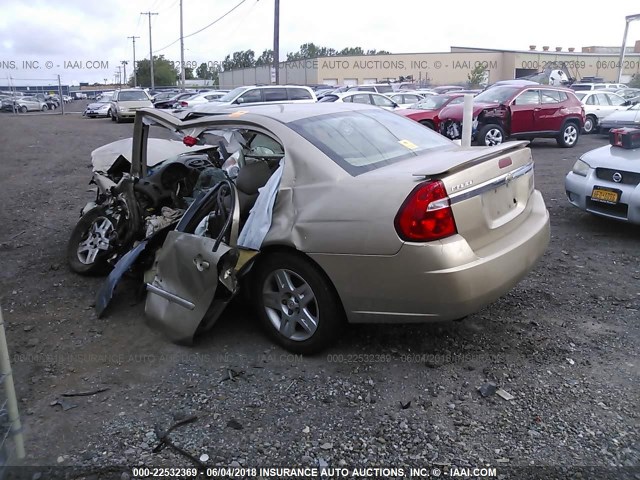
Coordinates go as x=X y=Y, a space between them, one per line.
x=359 y=92
x=289 y=112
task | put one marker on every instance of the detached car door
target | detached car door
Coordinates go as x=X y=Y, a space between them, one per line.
x=195 y=275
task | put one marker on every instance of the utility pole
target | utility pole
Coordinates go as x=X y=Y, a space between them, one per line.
x=124 y=68
x=119 y=75
x=181 y=50
x=153 y=83
x=276 y=41
x=135 y=67
x=628 y=19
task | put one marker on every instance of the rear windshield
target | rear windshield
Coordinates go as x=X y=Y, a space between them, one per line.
x=364 y=140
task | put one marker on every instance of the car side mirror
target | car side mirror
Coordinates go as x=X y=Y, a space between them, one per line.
x=395 y=105
x=239 y=101
x=627 y=103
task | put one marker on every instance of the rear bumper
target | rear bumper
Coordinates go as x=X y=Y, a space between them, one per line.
x=442 y=280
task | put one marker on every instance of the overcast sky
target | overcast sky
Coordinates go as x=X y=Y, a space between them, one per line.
x=80 y=30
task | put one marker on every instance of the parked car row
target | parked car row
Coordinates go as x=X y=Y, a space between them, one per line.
x=513 y=109
x=20 y=102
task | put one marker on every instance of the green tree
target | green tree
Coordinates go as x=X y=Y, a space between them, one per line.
x=476 y=76
x=310 y=50
x=266 y=58
x=351 y=51
x=164 y=72
x=188 y=73
x=208 y=73
x=635 y=81
x=241 y=59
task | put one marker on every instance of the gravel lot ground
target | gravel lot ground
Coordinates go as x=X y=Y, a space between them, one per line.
x=564 y=343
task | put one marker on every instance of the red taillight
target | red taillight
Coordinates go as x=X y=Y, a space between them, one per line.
x=184 y=104
x=426 y=214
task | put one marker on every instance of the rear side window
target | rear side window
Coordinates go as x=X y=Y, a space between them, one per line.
x=275 y=94
x=299 y=94
x=615 y=100
x=592 y=100
x=328 y=98
x=365 y=140
x=361 y=98
x=553 y=96
x=384 y=88
x=382 y=101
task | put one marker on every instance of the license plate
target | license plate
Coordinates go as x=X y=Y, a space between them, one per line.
x=605 y=195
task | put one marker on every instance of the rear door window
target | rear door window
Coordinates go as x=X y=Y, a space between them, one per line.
x=362 y=98
x=615 y=100
x=275 y=94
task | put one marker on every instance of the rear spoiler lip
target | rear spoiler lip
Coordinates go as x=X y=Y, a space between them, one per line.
x=495 y=151
x=492 y=184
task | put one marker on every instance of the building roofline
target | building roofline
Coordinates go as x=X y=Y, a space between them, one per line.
x=549 y=52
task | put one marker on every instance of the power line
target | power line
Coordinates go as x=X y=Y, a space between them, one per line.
x=203 y=28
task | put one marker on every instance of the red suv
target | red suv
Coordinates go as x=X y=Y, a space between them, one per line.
x=521 y=112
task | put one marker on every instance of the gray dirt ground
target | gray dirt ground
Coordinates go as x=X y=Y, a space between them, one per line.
x=564 y=342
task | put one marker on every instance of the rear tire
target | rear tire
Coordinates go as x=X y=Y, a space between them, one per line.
x=296 y=303
x=491 y=135
x=23 y=109
x=590 y=125
x=569 y=135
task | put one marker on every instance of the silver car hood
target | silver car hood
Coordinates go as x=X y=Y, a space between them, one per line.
x=616 y=158
x=158 y=150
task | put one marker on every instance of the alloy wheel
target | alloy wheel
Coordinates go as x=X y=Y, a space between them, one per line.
x=290 y=305
x=98 y=239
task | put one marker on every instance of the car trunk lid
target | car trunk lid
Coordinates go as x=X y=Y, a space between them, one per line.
x=488 y=187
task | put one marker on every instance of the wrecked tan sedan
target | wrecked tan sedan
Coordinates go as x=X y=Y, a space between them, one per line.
x=336 y=212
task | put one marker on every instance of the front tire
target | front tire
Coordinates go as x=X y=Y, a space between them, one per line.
x=45 y=108
x=589 y=124
x=569 y=135
x=92 y=243
x=491 y=135
x=428 y=124
x=296 y=303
